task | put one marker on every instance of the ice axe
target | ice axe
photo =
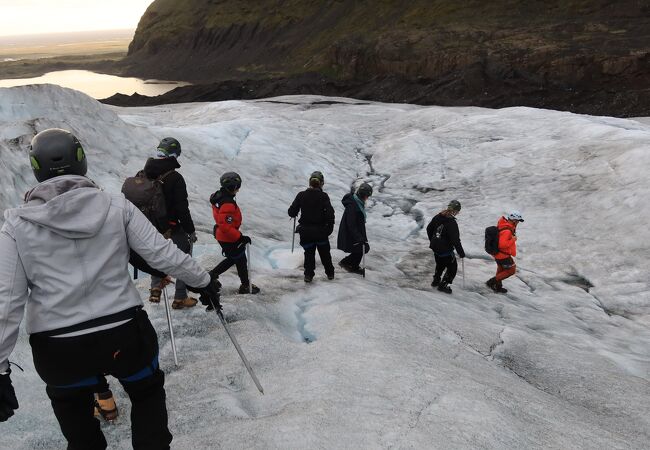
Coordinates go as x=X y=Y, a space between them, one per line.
x=248 y=264
x=169 y=323
x=462 y=266
x=238 y=348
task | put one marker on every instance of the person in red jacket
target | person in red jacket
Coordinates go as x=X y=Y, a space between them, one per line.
x=506 y=266
x=228 y=218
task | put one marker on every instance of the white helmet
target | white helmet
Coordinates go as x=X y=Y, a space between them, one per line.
x=515 y=216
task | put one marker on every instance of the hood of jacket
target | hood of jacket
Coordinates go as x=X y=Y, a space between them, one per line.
x=221 y=196
x=505 y=224
x=348 y=199
x=154 y=167
x=71 y=206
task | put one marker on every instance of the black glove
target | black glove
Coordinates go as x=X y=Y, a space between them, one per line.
x=192 y=237
x=366 y=247
x=210 y=294
x=8 y=400
x=244 y=240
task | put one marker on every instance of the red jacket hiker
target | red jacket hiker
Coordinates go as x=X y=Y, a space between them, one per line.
x=507 y=239
x=227 y=217
x=506 y=266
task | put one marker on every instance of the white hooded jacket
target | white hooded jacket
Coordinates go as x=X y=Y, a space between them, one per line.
x=64 y=258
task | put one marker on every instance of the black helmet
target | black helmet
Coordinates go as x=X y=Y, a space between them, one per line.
x=56 y=152
x=318 y=176
x=454 y=205
x=231 y=181
x=170 y=147
x=365 y=190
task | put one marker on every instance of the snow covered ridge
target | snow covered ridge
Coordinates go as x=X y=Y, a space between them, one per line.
x=562 y=361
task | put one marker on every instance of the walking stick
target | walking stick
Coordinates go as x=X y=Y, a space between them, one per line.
x=363 y=261
x=248 y=264
x=169 y=323
x=293 y=236
x=238 y=348
x=462 y=265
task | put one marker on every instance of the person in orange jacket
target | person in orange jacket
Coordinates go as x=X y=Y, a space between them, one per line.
x=506 y=266
x=228 y=218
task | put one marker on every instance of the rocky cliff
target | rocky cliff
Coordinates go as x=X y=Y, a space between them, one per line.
x=583 y=55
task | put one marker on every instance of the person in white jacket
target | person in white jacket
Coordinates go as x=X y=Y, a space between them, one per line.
x=64 y=266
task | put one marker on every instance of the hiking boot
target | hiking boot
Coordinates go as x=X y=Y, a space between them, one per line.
x=154 y=295
x=309 y=278
x=344 y=266
x=330 y=276
x=246 y=289
x=105 y=406
x=435 y=282
x=444 y=287
x=180 y=303
x=499 y=289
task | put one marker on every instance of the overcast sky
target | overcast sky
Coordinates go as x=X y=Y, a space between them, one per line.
x=50 y=16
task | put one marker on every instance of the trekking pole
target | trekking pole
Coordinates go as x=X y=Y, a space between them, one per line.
x=363 y=261
x=248 y=264
x=293 y=236
x=238 y=348
x=169 y=323
x=462 y=265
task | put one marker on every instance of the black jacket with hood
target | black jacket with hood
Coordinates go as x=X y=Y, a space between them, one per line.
x=353 y=225
x=175 y=190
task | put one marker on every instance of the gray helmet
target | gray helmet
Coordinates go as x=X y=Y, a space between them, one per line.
x=231 y=181
x=170 y=147
x=364 y=190
x=454 y=205
x=317 y=175
x=56 y=152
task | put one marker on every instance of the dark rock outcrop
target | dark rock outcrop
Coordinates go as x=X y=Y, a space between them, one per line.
x=588 y=56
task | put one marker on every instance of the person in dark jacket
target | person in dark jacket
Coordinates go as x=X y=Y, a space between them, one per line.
x=316 y=223
x=181 y=227
x=352 y=237
x=444 y=237
x=228 y=219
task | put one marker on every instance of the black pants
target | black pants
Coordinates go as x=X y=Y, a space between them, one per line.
x=354 y=259
x=72 y=367
x=182 y=241
x=325 y=257
x=234 y=256
x=447 y=263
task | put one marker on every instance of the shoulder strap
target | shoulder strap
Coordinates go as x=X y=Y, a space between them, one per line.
x=162 y=177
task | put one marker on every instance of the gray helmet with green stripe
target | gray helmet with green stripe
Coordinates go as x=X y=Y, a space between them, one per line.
x=56 y=152
x=170 y=147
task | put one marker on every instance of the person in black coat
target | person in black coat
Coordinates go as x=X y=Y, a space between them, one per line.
x=316 y=223
x=352 y=237
x=444 y=237
x=181 y=227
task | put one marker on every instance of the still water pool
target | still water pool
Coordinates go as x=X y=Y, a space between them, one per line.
x=98 y=85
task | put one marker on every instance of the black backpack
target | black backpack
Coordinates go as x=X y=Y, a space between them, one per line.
x=492 y=240
x=148 y=196
x=438 y=243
